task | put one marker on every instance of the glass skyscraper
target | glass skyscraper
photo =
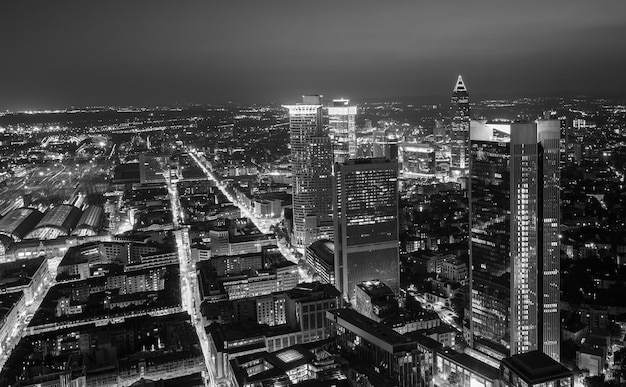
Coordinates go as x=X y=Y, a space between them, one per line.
x=514 y=244
x=311 y=159
x=342 y=128
x=366 y=224
x=459 y=130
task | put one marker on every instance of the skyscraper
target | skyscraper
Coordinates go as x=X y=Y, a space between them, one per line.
x=311 y=158
x=548 y=135
x=459 y=130
x=514 y=244
x=366 y=224
x=342 y=124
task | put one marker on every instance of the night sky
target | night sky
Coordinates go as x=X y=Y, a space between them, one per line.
x=61 y=53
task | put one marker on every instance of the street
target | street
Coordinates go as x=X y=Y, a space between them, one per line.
x=188 y=280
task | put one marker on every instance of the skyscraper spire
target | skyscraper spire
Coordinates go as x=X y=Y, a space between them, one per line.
x=459 y=130
x=460 y=86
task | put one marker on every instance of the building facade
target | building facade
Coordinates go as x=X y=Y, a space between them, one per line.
x=375 y=350
x=311 y=158
x=514 y=245
x=459 y=130
x=320 y=255
x=342 y=124
x=366 y=224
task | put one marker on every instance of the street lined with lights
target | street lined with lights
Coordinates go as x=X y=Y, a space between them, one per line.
x=188 y=281
x=263 y=224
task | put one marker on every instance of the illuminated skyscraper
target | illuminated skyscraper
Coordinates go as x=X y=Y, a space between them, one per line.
x=459 y=130
x=342 y=123
x=514 y=248
x=311 y=158
x=366 y=224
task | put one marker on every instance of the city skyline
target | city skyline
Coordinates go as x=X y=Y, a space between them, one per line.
x=76 y=54
x=237 y=194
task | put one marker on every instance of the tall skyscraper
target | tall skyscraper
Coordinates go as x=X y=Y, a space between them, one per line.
x=514 y=244
x=342 y=124
x=366 y=224
x=459 y=130
x=311 y=158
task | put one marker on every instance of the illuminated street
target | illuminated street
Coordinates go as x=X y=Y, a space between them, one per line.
x=445 y=314
x=262 y=224
x=19 y=330
x=406 y=194
x=188 y=282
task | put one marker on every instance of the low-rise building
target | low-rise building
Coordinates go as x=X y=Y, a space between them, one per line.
x=320 y=255
x=291 y=365
x=534 y=369
x=593 y=352
x=464 y=370
x=307 y=305
x=376 y=353
x=375 y=300
x=230 y=341
x=12 y=305
x=26 y=275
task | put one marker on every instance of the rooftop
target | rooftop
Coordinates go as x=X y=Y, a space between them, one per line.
x=424 y=341
x=470 y=363
x=18 y=273
x=535 y=367
x=376 y=331
x=275 y=364
x=16 y=222
x=90 y=218
x=313 y=291
x=6 y=303
x=325 y=249
x=375 y=288
x=62 y=219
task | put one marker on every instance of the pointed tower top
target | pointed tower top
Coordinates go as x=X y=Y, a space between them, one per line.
x=460 y=86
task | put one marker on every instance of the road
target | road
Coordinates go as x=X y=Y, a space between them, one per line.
x=20 y=328
x=190 y=297
x=445 y=314
x=263 y=224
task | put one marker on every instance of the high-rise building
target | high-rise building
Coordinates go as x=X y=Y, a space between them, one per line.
x=459 y=130
x=342 y=125
x=311 y=158
x=366 y=224
x=385 y=144
x=514 y=244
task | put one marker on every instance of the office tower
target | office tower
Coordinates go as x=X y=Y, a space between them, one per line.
x=366 y=224
x=385 y=144
x=459 y=130
x=311 y=158
x=548 y=135
x=514 y=244
x=342 y=124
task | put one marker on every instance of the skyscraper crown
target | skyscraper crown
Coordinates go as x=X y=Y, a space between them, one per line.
x=460 y=86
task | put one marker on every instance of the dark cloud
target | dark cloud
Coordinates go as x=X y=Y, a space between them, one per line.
x=149 y=52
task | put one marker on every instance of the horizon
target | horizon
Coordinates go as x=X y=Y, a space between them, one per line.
x=145 y=53
x=423 y=100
